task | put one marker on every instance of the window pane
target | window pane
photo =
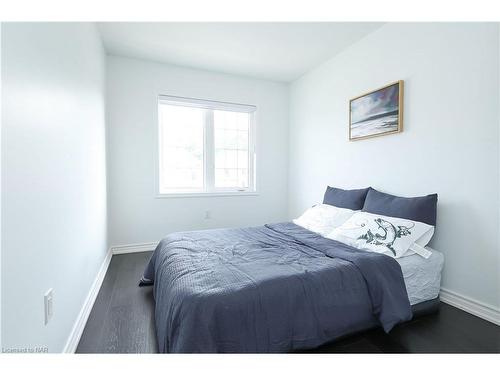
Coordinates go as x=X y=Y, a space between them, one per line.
x=243 y=158
x=181 y=147
x=226 y=177
x=231 y=149
x=243 y=140
x=242 y=177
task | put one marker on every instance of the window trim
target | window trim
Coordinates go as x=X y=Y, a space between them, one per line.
x=209 y=171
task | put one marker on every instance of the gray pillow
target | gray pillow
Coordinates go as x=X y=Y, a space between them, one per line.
x=352 y=199
x=421 y=209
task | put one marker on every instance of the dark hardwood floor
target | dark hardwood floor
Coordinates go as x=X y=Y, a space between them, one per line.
x=122 y=321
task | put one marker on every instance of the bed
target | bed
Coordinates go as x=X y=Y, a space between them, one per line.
x=277 y=288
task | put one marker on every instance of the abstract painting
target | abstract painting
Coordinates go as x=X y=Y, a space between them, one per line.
x=378 y=112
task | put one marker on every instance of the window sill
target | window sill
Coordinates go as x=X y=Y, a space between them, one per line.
x=206 y=195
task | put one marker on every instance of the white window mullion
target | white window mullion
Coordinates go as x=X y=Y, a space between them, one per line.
x=209 y=151
x=252 y=159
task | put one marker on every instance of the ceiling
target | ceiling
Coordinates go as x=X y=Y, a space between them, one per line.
x=274 y=51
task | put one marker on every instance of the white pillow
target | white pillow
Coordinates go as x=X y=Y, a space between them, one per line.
x=323 y=218
x=419 y=246
x=382 y=234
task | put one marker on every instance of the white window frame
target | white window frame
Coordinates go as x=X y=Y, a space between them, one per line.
x=209 y=152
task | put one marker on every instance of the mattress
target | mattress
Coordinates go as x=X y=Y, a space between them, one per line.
x=422 y=276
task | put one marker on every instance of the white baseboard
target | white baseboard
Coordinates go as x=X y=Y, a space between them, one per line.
x=472 y=306
x=81 y=320
x=133 y=248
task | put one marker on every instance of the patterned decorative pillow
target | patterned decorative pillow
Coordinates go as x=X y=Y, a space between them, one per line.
x=382 y=234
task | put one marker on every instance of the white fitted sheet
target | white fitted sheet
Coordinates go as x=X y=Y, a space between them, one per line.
x=422 y=276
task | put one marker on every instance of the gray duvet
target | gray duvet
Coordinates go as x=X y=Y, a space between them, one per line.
x=275 y=288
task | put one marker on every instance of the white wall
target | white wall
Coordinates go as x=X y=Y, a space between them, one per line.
x=53 y=177
x=450 y=143
x=0 y=185
x=135 y=215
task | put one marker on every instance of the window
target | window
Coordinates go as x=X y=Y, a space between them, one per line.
x=205 y=147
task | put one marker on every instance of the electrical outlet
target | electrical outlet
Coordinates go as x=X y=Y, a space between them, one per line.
x=208 y=215
x=48 y=300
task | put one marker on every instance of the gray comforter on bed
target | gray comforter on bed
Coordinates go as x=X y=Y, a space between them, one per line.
x=275 y=288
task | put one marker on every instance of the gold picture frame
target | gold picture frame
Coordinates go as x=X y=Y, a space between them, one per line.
x=376 y=113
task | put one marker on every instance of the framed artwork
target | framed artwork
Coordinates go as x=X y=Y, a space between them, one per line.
x=377 y=112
